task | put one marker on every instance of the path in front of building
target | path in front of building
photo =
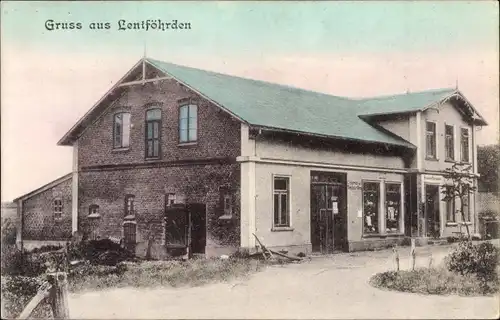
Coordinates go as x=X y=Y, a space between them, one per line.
x=326 y=287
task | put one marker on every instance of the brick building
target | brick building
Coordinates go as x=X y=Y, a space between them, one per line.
x=186 y=157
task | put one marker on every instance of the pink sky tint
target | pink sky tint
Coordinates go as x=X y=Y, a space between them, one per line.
x=45 y=93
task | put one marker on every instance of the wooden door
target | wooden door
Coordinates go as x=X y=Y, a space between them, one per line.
x=433 y=220
x=328 y=212
x=197 y=214
x=176 y=229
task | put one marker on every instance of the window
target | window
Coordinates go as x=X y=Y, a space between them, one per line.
x=121 y=130
x=392 y=207
x=188 y=123
x=171 y=199
x=431 y=140
x=228 y=205
x=465 y=144
x=371 y=198
x=153 y=133
x=129 y=205
x=58 y=208
x=93 y=210
x=466 y=200
x=450 y=204
x=129 y=235
x=281 y=193
x=449 y=142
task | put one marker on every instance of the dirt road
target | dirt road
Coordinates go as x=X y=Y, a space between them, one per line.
x=326 y=287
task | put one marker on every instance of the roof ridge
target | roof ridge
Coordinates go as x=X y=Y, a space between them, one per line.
x=285 y=86
x=404 y=94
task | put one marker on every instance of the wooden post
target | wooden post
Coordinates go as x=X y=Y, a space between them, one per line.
x=412 y=255
x=396 y=257
x=59 y=294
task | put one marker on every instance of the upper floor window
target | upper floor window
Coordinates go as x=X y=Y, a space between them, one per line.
x=281 y=194
x=188 y=123
x=93 y=210
x=449 y=142
x=464 y=142
x=371 y=199
x=431 y=140
x=153 y=133
x=129 y=204
x=58 y=208
x=121 y=130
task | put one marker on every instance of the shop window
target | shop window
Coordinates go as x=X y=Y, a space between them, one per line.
x=392 y=207
x=371 y=198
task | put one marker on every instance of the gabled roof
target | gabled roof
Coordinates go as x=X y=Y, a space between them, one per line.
x=44 y=187
x=269 y=105
x=415 y=101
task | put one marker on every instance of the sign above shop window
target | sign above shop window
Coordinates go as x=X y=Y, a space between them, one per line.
x=432 y=178
x=354 y=185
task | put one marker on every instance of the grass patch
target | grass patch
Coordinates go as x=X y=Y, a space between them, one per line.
x=437 y=281
x=149 y=274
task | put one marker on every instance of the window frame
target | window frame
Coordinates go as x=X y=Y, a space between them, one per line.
x=57 y=206
x=449 y=144
x=121 y=145
x=450 y=202
x=130 y=212
x=158 y=122
x=462 y=160
x=378 y=183
x=287 y=193
x=467 y=214
x=427 y=155
x=187 y=105
x=93 y=206
x=169 y=197
x=400 y=206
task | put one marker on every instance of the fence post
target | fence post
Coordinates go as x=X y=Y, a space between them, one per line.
x=59 y=294
x=412 y=255
x=396 y=257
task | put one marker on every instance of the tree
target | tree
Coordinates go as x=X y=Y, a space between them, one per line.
x=488 y=161
x=459 y=185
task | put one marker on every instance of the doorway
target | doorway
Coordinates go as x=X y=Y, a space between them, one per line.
x=328 y=212
x=432 y=216
x=185 y=226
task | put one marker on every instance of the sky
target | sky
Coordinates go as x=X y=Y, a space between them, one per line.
x=51 y=78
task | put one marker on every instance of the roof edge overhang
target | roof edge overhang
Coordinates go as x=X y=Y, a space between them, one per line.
x=75 y=131
x=476 y=117
x=44 y=187
x=69 y=137
x=405 y=144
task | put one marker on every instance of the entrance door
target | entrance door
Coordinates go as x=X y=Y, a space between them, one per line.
x=328 y=212
x=198 y=227
x=432 y=211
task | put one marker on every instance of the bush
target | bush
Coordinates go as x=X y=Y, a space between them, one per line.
x=104 y=252
x=8 y=232
x=17 y=263
x=433 y=281
x=47 y=248
x=17 y=291
x=489 y=215
x=480 y=260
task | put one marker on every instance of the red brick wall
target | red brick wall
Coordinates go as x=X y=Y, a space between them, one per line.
x=199 y=184
x=106 y=176
x=39 y=222
x=218 y=133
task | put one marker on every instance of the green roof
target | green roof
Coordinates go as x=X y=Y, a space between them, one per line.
x=272 y=105
x=401 y=103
